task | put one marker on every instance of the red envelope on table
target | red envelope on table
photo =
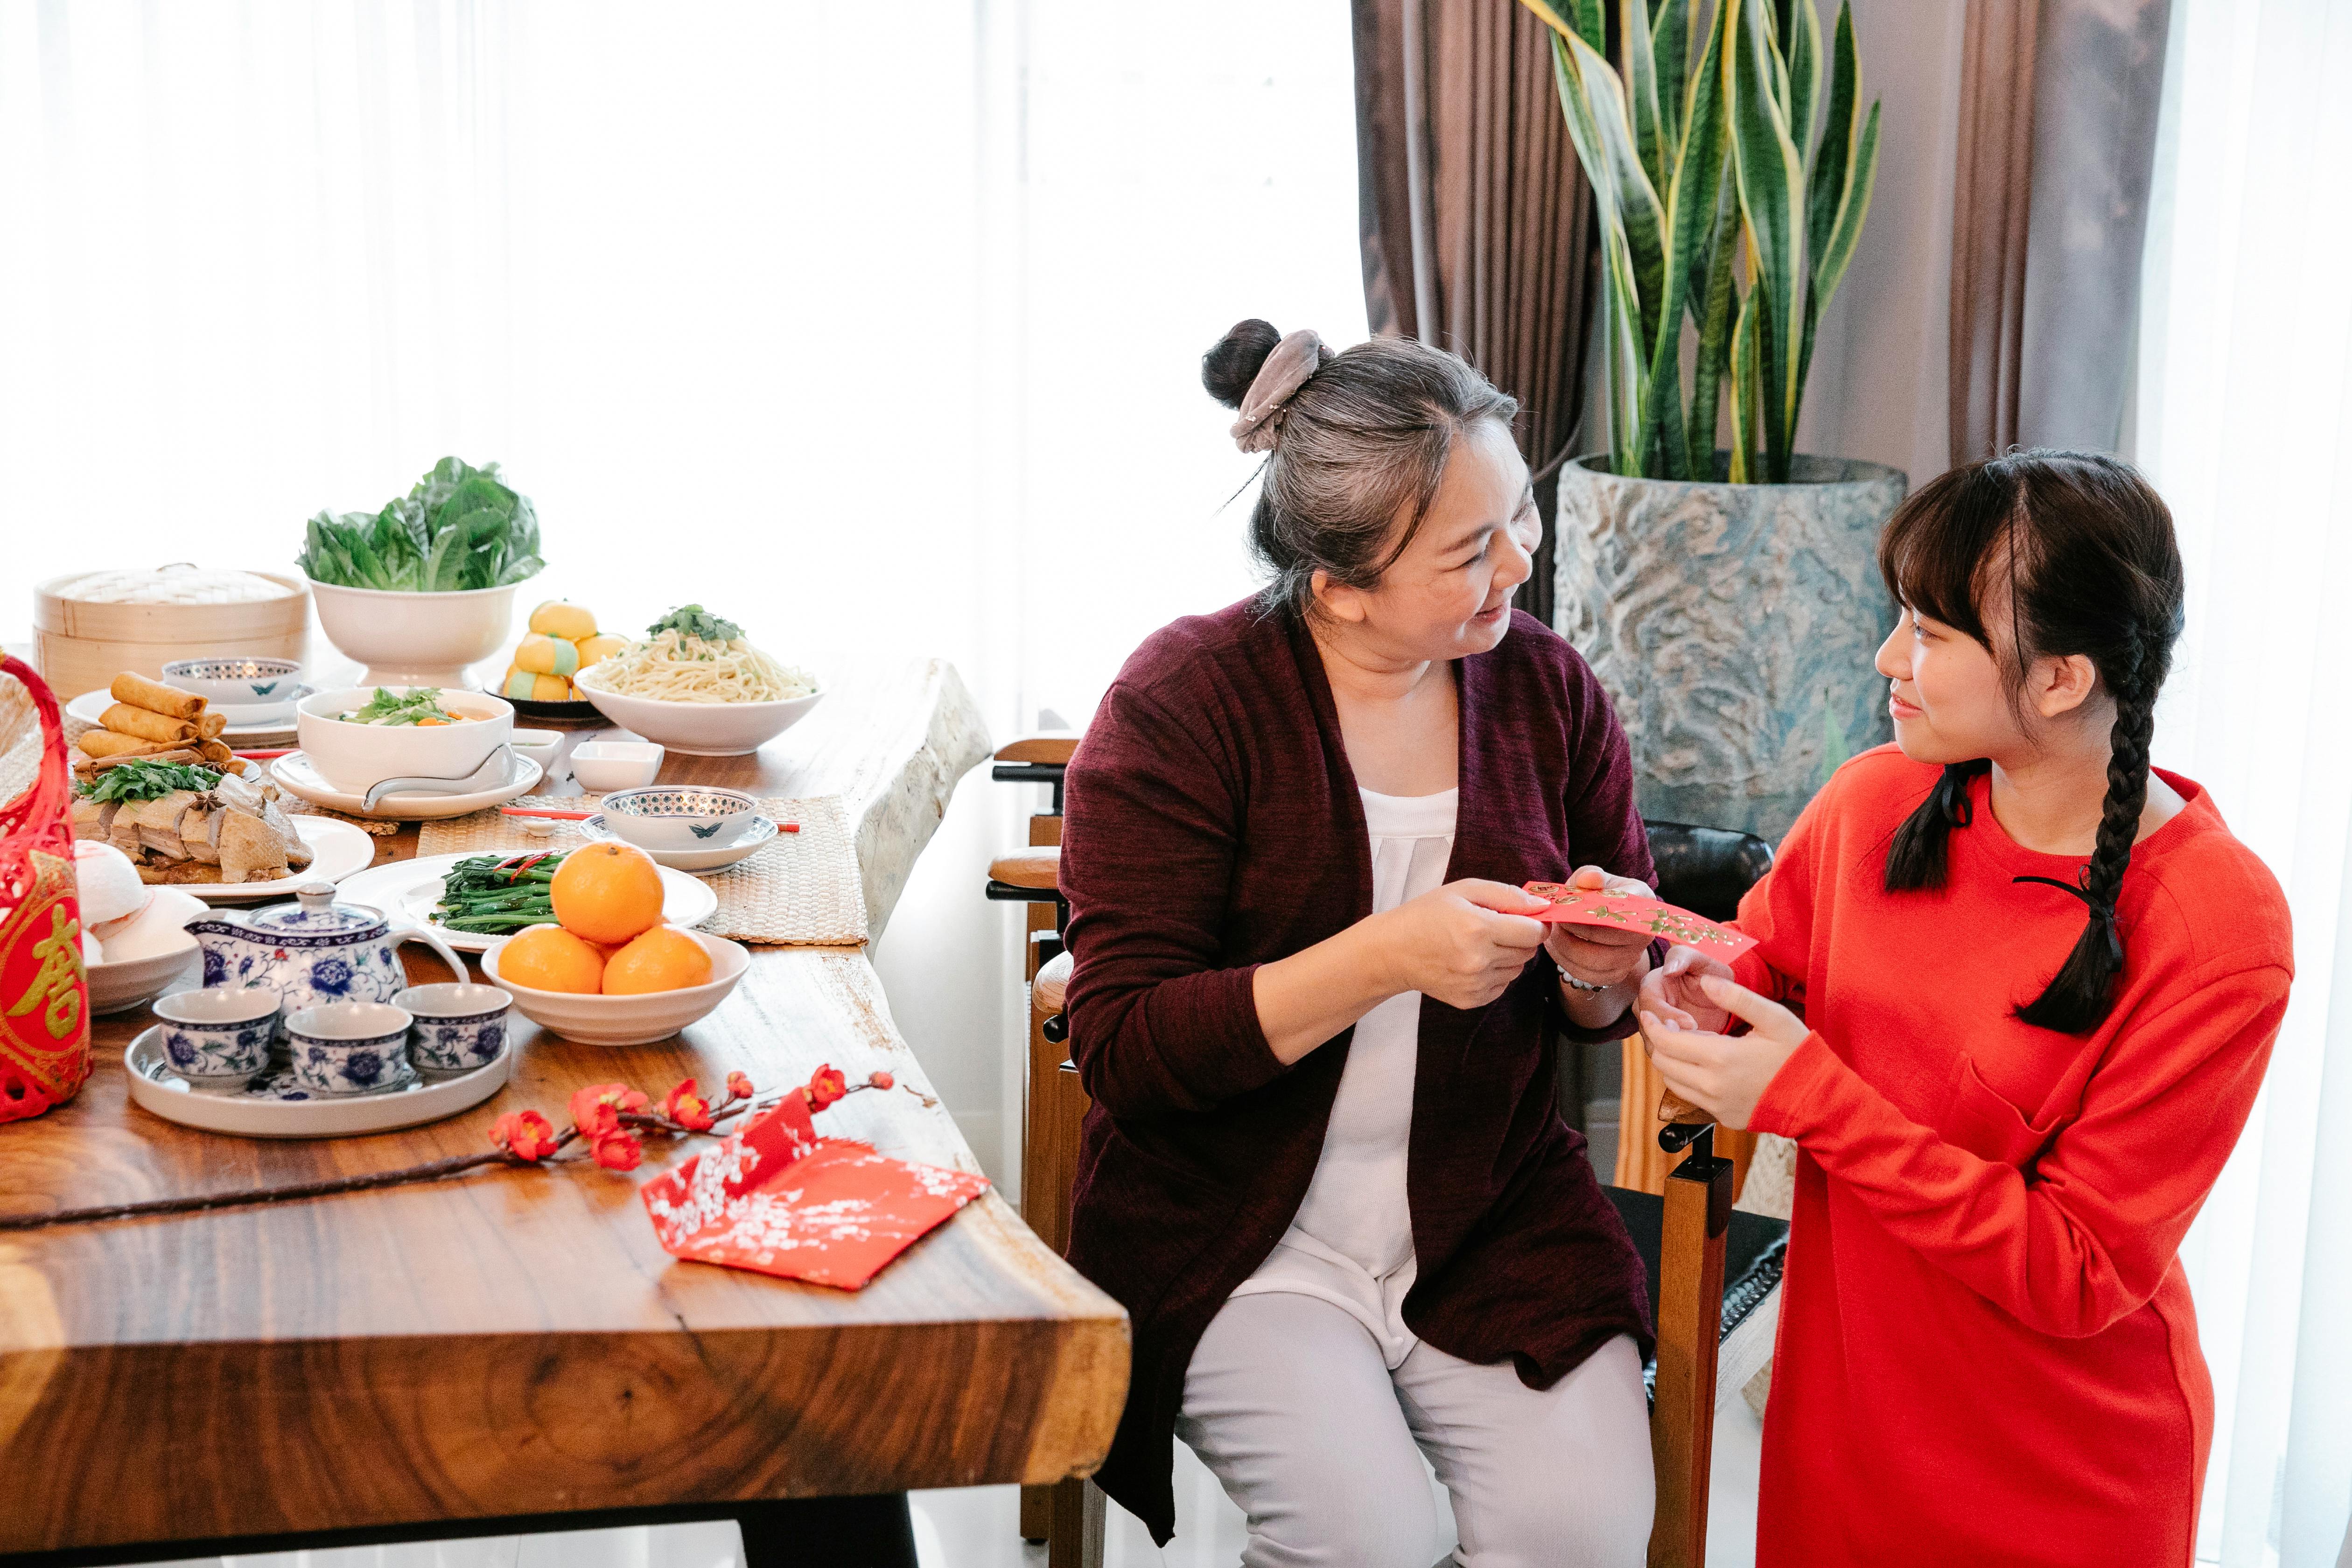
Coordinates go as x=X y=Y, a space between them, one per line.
x=1652 y=917
x=775 y=1198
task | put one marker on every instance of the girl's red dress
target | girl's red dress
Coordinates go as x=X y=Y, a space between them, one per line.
x=1987 y=1350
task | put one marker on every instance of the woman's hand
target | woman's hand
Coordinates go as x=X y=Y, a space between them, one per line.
x=1671 y=990
x=1718 y=1073
x=1464 y=943
x=1600 y=955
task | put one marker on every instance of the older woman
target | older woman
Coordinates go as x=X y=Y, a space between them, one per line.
x=1324 y=1170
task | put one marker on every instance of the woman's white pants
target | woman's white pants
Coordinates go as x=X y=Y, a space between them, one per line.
x=1288 y=1403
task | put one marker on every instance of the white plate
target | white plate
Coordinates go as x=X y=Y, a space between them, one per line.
x=406 y=891
x=337 y=850
x=756 y=836
x=294 y=774
x=243 y=729
x=262 y=1113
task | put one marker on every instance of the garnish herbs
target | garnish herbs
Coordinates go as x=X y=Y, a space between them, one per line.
x=146 y=781
x=460 y=527
x=418 y=706
x=693 y=621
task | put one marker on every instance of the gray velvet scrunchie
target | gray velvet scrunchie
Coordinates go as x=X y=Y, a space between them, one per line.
x=1286 y=370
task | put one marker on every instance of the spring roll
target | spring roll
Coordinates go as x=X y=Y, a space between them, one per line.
x=95 y=764
x=215 y=753
x=107 y=743
x=210 y=725
x=125 y=719
x=155 y=697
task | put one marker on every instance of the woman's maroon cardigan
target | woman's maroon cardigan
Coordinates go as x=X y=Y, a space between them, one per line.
x=1212 y=825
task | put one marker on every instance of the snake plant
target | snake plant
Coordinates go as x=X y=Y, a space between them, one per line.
x=1712 y=206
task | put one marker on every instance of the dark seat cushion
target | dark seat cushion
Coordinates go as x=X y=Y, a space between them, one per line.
x=1752 y=1253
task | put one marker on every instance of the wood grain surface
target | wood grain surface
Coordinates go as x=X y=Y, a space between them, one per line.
x=515 y=1341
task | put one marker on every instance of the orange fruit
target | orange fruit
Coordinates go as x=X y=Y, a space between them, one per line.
x=663 y=959
x=548 y=958
x=607 y=892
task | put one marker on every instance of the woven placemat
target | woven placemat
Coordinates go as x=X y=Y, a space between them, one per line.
x=800 y=889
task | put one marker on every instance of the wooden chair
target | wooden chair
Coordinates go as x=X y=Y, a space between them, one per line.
x=1687 y=1234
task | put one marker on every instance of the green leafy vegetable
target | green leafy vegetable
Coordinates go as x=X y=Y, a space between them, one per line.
x=145 y=781
x=693 y=621
x=460 y=527
x=494 y=897
x=415 y=706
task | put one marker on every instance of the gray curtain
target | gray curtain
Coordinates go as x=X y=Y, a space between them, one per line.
x=2057 y=139
x=1477 y=224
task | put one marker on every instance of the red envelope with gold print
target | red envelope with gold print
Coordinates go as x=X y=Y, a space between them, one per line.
x=1652 y=917
x=775 y=1198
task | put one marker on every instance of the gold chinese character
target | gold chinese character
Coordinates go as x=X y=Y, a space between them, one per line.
x=53 y=986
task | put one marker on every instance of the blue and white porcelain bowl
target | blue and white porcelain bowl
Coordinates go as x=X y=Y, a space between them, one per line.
x=236 y=682
x=349 y=1047
x=220 y=1034
x=670 y=817
x=457 y=1028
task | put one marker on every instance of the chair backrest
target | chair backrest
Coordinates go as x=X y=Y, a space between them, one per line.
x=1706 y=870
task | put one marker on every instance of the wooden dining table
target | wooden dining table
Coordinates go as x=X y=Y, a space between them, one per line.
x=512 y=1349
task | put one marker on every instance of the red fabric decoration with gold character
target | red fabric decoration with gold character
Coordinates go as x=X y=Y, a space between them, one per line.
x=44 y=997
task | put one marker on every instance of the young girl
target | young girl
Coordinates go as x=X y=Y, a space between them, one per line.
x=2013 y=997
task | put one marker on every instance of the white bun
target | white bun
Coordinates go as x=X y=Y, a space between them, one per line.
x=109 y=884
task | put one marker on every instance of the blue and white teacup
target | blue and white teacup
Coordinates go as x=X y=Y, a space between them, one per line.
x=349 y=1047
x=457 y=1028
x=220 y=1033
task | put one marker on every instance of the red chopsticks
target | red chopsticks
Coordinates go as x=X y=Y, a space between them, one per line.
x=555 y=816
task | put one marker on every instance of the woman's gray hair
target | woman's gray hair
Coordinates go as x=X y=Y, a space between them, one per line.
x=1363 y=438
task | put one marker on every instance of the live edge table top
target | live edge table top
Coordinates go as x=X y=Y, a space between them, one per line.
x=515 y=1341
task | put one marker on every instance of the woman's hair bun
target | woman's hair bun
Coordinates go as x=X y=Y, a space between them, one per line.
x=1228 y=369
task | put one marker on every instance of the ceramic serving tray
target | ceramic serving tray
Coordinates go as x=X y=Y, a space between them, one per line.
x=271 y=1106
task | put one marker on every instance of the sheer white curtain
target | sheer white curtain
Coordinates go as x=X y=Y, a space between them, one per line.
x=2245 y=424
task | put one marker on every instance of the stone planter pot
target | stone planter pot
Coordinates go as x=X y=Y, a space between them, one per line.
x=1733 y=627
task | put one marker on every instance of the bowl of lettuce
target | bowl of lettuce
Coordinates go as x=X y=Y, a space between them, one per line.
x=424 y=588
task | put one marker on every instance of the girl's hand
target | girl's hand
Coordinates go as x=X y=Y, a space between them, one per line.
x=1721 y=1075
x=1464 y=943
x=1671 y=990
x=1597 y=954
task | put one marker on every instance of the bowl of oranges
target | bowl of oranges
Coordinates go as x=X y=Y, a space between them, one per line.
x=608 y=972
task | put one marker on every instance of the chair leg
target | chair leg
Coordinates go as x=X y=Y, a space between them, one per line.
x=1079 y=1516
x=1036 y=1514
x=1690 y=1324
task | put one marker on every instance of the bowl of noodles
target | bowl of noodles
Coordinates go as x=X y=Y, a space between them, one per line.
x=694 y=684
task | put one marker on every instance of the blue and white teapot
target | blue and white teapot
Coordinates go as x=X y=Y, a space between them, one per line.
x=313 y=951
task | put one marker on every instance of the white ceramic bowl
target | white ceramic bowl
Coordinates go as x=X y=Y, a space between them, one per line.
x=602 y=766
x=414 y=639
x=118 y=987
x=602 y=1020
x=697 y=729
x=539 y=745
x=234 y=683
x=680 y=817
x=355 y=756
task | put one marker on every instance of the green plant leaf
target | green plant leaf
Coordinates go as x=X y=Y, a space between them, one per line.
x=1670 y=35
x=1693 y=197
x=1744 y=390
x=1825 y=177
x=1714 y=308
x=1589 y=25
x=1644 y=110
x=1803 y=48
x=1771 y=179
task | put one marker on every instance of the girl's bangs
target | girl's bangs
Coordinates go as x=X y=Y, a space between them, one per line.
x=1937 y=547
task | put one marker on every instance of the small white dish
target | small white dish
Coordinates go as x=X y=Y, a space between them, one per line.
x=602 y=766
x=272 y=1107
x=337 y=850
x=406 y=891
x=542 y=746
x=679 y=816
x=600 y=1020
x=697 y=728
x=758 y=836
x=297 y=775
x=133 y=982
x=355 y=757
x=243 y=682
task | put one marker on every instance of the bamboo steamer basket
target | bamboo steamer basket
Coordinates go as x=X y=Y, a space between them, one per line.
x=81 y=644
